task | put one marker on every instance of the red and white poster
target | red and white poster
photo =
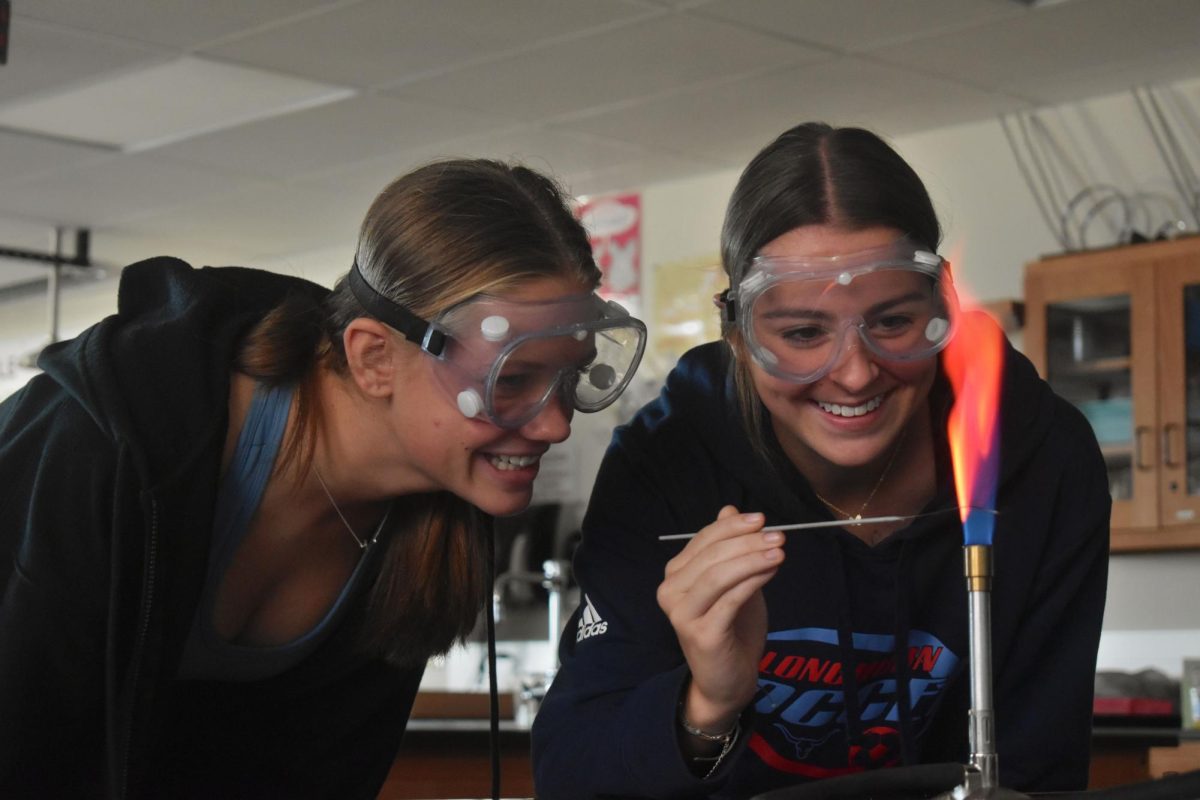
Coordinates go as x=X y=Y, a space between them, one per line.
x=614 y=225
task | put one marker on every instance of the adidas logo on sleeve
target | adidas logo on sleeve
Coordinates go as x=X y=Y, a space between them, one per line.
x=590 y=623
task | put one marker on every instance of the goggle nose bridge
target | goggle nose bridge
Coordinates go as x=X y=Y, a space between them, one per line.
x=858 y=324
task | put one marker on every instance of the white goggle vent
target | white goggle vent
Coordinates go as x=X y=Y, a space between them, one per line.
x=494 y=328
x=470 y=403
x=936 y=329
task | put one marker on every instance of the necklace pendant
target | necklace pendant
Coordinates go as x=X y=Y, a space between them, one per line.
x=856 y=517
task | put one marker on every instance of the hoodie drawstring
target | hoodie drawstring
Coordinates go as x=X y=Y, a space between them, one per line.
x=853 y=709
x=900 y=654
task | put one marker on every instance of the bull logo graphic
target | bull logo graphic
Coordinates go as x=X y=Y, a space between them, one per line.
x=804 y=746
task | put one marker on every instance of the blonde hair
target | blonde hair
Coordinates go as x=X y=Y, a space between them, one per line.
x=431 y=239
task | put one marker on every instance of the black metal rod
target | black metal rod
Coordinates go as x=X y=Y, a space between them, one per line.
x=53 y=293
x=82 y=257
x=5 y=16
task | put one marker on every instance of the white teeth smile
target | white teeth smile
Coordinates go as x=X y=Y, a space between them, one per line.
x=852 y=411
x=511 y=462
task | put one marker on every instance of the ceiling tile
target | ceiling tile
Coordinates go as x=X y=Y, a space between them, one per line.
x=173 y=101
x=1067 y=51
x=366 y=178
x=261 y=221
x=555 y=152
x=678 y=4
x=635 y=175
x=604 y=94
x=181 y=23
x=106 y=191
x=23 y=156
x=732 y=121
x=854 y=25
x=311 y=141
x=620 y=65
x=43 y=58
x=380 y=42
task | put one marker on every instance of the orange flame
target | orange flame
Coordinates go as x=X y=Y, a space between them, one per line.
x=974 y=363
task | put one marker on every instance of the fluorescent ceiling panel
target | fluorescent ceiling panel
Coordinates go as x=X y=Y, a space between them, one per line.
x=166 y=103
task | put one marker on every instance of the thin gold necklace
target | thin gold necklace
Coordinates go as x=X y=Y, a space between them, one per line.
x=892 y=460
x=363 y=544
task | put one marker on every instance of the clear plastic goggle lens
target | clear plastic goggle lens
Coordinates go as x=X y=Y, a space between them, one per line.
x=588 y=368
x=798 y=326
x=507 y=360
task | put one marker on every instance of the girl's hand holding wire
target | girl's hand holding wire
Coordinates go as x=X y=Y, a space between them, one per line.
x=712 y=594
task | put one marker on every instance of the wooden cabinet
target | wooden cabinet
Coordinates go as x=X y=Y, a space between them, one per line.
x=446 y=752
x=443 y=763
x=1139 y=755
x=1117 y=332
x=1166 y=761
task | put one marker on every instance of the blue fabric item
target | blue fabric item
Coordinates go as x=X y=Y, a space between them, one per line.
x=207 y=656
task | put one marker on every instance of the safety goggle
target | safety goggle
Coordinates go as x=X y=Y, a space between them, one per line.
x=799 y=315
x=506 y=359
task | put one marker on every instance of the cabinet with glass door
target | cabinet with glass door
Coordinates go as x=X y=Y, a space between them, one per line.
x=1117 y=333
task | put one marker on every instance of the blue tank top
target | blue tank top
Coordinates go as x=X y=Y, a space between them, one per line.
x=206 y=655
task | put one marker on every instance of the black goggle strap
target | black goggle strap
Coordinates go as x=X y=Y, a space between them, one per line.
x=415 y=329
x=726 y=303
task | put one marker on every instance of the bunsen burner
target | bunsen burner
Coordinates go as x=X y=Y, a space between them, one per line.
x=927 y=781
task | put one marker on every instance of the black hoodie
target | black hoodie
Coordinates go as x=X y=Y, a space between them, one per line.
x=109 y=466
x=851 y=627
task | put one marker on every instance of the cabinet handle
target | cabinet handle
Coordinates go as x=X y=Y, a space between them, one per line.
x=1138 y=453
x=1168 y=458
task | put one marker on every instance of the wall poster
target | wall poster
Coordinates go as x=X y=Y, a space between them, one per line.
x=614 y=225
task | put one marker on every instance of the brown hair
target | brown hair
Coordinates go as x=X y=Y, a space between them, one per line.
x=815 y=174
x=431 y=239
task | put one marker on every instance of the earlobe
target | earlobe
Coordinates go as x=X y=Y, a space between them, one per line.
x=370 y=356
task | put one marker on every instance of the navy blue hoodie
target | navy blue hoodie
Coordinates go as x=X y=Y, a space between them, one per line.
x=853 y=629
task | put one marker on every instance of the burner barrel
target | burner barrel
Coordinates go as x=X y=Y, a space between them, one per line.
x=977 y=563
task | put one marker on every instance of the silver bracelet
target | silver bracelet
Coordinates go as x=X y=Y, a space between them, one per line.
x=723 y=738
x=728 y=742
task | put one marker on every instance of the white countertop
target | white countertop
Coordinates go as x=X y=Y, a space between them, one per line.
x=464 y=669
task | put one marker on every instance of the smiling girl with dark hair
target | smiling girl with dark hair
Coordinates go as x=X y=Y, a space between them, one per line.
x=741 y=660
